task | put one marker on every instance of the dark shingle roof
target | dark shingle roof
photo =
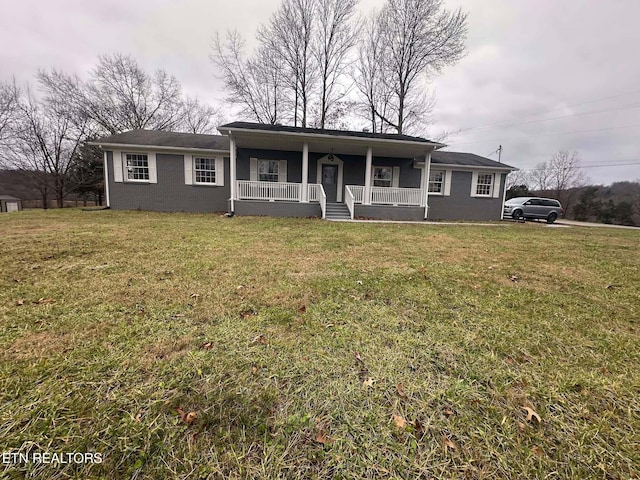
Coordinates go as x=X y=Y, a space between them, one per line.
x=8 y=197
x=466 y=159
x=323 y=131
x=167 y=139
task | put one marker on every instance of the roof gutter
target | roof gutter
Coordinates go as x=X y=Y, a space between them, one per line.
x=473 y=167
x=228 y=130
x=157 y=147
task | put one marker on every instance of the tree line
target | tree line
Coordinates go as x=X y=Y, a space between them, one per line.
x=45 y=131
x=563 y=178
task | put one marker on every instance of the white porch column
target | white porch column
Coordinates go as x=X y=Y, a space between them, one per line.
x=366 y=197
x=304 y=197
x=427 y=172
x=232 y=171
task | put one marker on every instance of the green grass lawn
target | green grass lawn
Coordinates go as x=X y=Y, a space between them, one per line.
x=299 y=348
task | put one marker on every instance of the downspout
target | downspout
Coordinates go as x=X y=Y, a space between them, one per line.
x=427 y=166
x=106 y=181
x=232 y=173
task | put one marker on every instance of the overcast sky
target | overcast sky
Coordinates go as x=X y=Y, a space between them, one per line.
x=528 y=61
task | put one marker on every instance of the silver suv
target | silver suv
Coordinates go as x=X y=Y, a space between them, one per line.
x=520 y=208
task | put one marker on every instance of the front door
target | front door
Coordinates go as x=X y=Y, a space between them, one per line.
x=330 y=181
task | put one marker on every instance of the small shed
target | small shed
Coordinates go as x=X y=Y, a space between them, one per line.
x=10 y=204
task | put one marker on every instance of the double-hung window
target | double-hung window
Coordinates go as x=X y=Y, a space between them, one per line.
x=484 y=185
x=268 y=170
x=204 y=169
x=436 y=181
x=137 y=167
x=382 y=176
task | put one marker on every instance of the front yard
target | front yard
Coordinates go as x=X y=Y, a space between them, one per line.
x=197 y=346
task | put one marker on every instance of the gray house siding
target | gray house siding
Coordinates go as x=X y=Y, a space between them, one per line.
x=277 y=209
x=387 y=212
x=460 y=205
x=170 y=194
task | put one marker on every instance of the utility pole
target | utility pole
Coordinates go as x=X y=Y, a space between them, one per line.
x=499 y=153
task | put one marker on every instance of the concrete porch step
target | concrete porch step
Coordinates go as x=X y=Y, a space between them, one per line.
x=337 y=211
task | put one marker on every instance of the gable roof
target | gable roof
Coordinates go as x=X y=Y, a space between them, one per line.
x=156 y=138
x=8 y=197
x=322 y=131
x=466 y=159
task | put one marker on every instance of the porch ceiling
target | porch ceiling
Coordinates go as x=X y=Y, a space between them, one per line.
x=330 y=144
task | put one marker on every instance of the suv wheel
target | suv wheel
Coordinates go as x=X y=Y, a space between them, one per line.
x=553 y=216
x=517 y=215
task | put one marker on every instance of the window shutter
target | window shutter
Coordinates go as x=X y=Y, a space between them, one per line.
x=474 y=183
x=117 y=166
x=282 y=171
x=220 y=171
x=153 y=173
x=395 y=178
x=188 y=169
x=253 y=169
x=447 y=182
x=496 y=184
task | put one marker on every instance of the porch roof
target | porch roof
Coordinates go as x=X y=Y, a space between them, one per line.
x=282 y=137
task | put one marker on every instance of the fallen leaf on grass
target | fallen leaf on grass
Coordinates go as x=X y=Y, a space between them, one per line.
x=357 y=356
x=254 y=369
x=247 y=314
x=531 y=414
x=522 y=426
x=514 y=278
x=447 y=412
x=20 y=302
x=187 y=418
x=399 y=421
x=448 y=443
x=139 y=416
x=43 y=301
x=537 y=450
x=302 y=309
x=401 y=394
x=322 y=438
x=207 y=346
x=259 y=339
x=419 y=427
x=368 y=382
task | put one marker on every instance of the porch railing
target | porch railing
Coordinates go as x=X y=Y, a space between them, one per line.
x=270 y=191
x=281 y=191
x=349 y=199
x=388 y=195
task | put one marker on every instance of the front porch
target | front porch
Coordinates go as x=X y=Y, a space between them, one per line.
x=295 y=171
x=366 y=196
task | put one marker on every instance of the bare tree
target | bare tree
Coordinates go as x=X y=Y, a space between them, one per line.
x=199 y=117
x=288 y=36
x=332 y=43
x=254 y=84
x=45 y=142
x=9 y=95
x=407 y=42
x=120 y=95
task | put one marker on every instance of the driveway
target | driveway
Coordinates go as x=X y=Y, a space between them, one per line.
x=574 y=223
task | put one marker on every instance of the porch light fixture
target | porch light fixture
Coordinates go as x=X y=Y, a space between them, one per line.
x=330 y=157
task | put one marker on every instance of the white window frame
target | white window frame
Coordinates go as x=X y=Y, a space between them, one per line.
x=441 y=182
x=273 y=175
x=121 y=169
x=205 y=171
x=126 y=159
x=254 y=170
x=393 y=181
x=494 y=185
x=190 y=170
